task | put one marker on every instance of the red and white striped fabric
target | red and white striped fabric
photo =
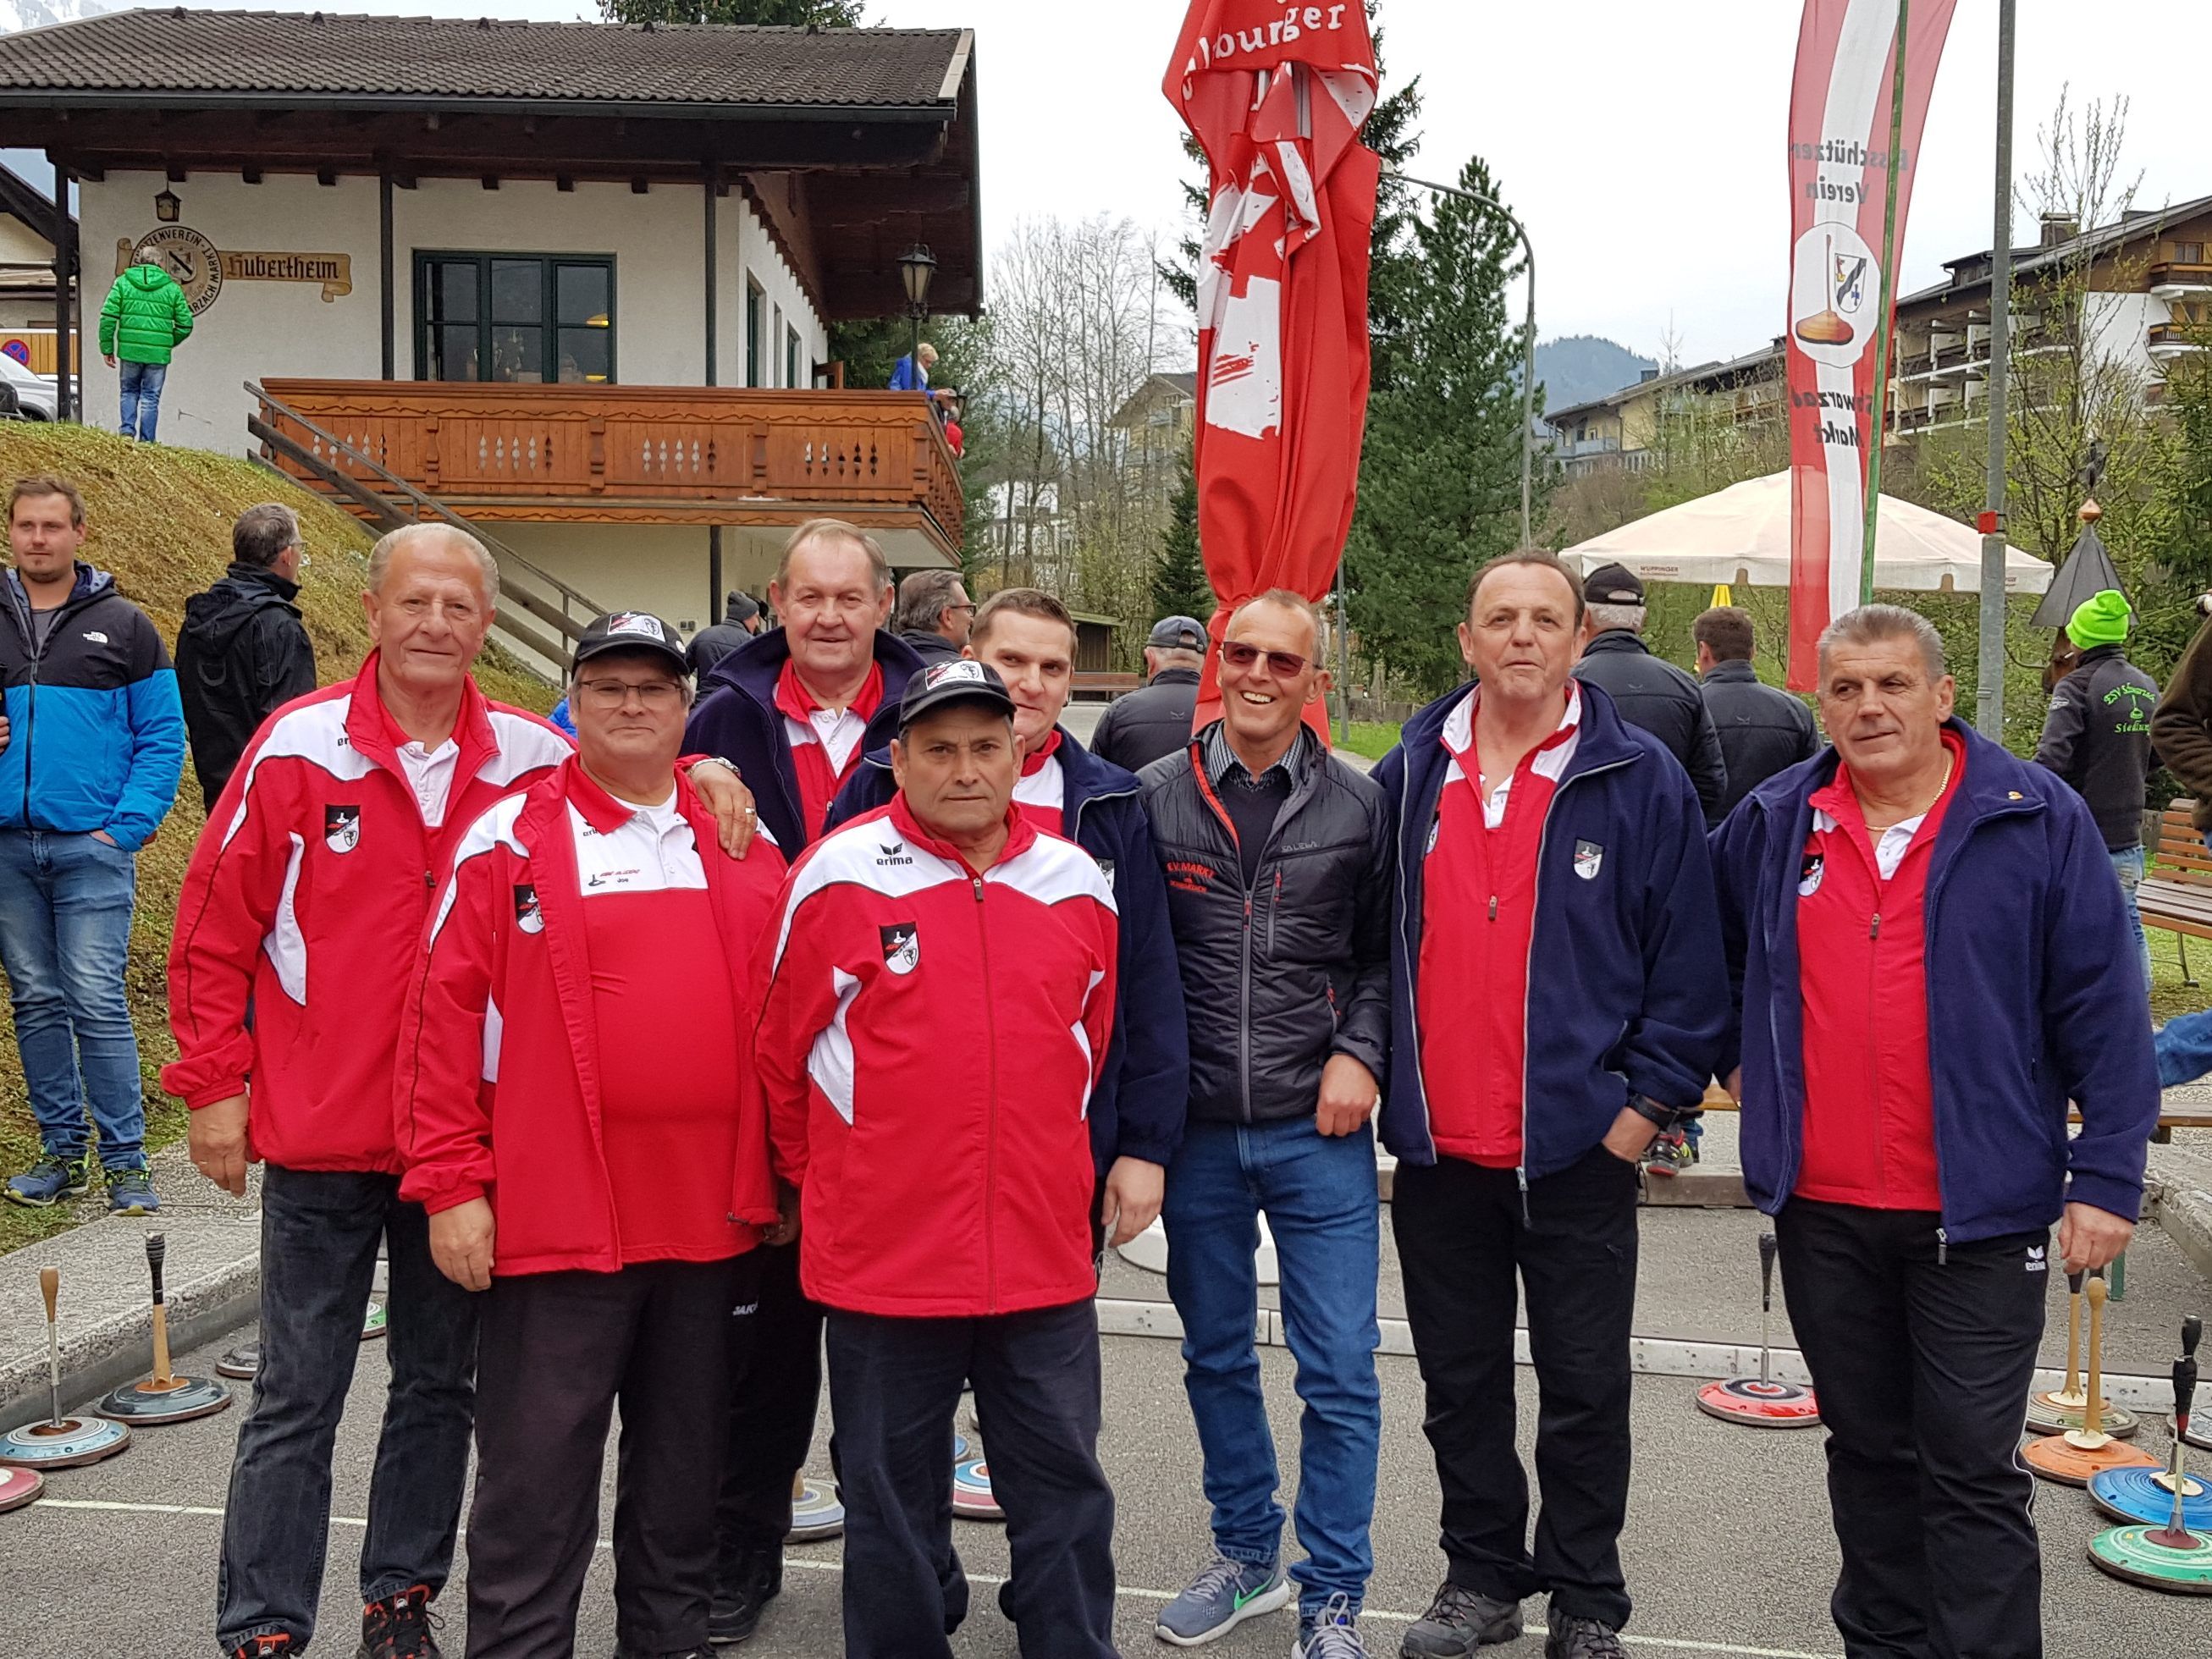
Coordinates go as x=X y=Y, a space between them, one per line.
x=1839 y=129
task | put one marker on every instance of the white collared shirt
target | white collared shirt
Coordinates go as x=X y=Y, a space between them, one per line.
x=430 y=774
x=652 y=851
x=838 y=730
x=1889 y=850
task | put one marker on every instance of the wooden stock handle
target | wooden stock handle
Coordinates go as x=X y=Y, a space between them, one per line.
x=50 y=1286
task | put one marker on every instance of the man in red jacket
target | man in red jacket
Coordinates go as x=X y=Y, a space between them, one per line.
x=949 y=1228
x=298 y=929
x=586 y=937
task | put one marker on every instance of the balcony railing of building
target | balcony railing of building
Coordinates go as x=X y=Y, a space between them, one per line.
x=645 y=454
x=2178 y=277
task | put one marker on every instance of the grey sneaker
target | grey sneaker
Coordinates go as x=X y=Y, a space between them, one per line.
x=1581 y=1638
x=1458 y=1622
x=130 y=1192
x=1222 y=1596
x=1330 y=1634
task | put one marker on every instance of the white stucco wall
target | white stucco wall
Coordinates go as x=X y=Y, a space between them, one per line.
x=257 y=329
x=659 y=567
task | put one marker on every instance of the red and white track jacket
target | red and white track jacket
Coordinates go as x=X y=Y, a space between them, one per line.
x=305 y=899
x=497 y=1089
x=929 y=1039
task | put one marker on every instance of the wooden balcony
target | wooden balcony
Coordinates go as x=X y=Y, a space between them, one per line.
x=609 y=454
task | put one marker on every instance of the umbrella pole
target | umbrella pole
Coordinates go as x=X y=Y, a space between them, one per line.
x=1990 y=667
x=1883 y=320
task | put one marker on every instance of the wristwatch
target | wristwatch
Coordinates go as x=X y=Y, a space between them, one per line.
x=1665 y=1117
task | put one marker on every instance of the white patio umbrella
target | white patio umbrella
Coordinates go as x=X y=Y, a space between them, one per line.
x=1741 y=535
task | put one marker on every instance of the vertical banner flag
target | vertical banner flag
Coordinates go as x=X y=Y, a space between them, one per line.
x=1840 y=123
x=1275 y=95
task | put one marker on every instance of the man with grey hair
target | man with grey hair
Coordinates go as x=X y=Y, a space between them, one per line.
x=243 y=652
x=1930 y=961
x=299 y=929
x=794 y=710
x=934 y=614
x=1648 y=691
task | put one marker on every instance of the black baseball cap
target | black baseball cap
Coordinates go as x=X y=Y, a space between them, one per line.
x=1178 y=634
x=630 y=630
x=943 y=684
x=1613 y=584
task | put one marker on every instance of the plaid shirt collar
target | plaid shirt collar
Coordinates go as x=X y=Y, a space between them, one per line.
x=1221 y=763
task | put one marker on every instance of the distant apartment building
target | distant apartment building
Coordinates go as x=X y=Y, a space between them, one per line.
x=1622 y=429
x=2150 y=285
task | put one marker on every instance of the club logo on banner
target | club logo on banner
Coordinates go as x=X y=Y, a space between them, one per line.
x=1840 y=109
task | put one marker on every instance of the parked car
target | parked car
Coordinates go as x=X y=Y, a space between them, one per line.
x=25 y=396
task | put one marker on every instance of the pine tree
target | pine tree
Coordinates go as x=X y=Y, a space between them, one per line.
x=1180 y=587
x=815 y=14
x=1440 y=474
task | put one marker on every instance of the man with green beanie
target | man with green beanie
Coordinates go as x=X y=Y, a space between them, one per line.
x=2097 y=735
x=145 y=320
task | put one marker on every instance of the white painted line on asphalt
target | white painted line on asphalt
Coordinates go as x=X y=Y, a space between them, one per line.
x=812 y=1564
x=1648 y=1356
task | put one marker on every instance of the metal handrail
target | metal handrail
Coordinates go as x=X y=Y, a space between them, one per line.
x=422 y=502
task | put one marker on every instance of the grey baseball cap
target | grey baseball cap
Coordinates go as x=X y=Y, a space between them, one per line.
x=1178 y=634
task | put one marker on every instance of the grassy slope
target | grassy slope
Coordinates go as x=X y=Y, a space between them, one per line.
x=160 y=519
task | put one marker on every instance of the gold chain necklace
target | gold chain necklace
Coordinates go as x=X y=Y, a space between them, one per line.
x=1943 y=783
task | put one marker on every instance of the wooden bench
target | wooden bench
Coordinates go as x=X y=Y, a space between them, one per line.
x=2176 y=894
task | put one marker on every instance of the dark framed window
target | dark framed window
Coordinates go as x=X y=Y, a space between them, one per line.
x=526 y=319
x=793 y=355
x=755 y=333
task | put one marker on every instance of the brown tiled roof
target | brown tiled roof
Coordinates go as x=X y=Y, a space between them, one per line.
x=226 y=55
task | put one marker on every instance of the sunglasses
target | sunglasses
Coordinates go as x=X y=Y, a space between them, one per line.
x=1283 y=665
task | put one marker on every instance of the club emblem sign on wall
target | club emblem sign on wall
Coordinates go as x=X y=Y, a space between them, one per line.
x=201 y=267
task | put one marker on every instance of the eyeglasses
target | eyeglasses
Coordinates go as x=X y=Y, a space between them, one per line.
x=1283 y=665
x=969 y=608
x=655 y=695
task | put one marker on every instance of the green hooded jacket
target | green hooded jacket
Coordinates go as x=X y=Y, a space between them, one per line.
x=145 y=317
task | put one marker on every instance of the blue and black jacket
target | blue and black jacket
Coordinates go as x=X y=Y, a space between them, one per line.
x=96 y=732
x=1626 y=995
x=2035 y=996
x=736 y=718
x=1137 y=1109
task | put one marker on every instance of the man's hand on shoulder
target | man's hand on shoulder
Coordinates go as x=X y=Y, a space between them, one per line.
x=1348 y=1097
x=1132 y=1200
x=218 y=1142
x=2090 y=1239
x=723 y=792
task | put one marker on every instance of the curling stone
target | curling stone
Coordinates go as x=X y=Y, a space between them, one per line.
x=817 y=1512
x=972 y=1499
x=2054 y=1410
x=165 y=1397
x=2075 y=1457
x=19 y=1487
x=59 y=1442
x=2173 y=1553
x=1761 y=1402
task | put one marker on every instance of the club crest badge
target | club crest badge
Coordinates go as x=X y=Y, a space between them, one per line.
x=901 y=947
x=1435 y=829
x=527 y=916
x=1106 y=869
x=1808 y=874
x=1589 y=858
x=341 y=827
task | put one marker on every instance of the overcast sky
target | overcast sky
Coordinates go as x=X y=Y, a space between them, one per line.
x=1640 y=140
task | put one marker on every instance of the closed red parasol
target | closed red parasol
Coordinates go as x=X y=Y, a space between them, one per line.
x=1276 y=94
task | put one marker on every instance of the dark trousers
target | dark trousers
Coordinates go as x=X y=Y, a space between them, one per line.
x=1461 y=1235
x=776 y=1388
x=559 y=1350
x=1923 y=1368
x=894 y=1386
x=320 y=1230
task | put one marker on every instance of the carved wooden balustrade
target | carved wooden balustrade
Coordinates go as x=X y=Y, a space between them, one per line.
x=641 y=454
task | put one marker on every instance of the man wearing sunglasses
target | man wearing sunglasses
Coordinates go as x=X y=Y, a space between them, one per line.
x=1278 y=862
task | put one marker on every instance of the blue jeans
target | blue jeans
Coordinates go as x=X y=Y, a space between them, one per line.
x=66 y=904
x=2128 y=865
x=1319 y=1196
x=141 y=385
x=319 y=1230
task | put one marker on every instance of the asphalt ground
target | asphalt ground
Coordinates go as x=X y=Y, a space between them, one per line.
x=1728 y=1546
